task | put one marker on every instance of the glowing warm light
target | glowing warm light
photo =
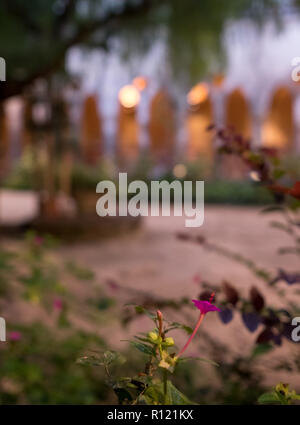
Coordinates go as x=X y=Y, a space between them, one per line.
x=254 y=175
x=179 y=171
x=198 y=94
x=140 y=83
x=129 y=96
x=273 y=136
x=218 y=80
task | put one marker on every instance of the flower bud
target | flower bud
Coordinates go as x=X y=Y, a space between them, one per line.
x=283 y=389
x=153 y=336
x=169 y=342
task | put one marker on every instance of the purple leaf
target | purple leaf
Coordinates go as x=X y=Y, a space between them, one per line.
x=265 y=336
x=231 y=293
x=251 y=321
x=289 y=278
x=257 y=299
x=271 y=319
x=277 y=339
x=226 y=315
x=287 y=331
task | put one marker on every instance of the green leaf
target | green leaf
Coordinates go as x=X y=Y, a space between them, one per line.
x=144 y=348
x=110 y=357
x=294 y=204
x=105 y=302
x=295 y=396
x=90 y=361
x=261 y=349
x=139 y=338
x=269 y=398
x=106 y=359
x=175 y=397
x=201 y=359
x=124 y=396
x=175 y=325
x=155 y=395
x=278 y=173
x=79 y=272
x=142 y=310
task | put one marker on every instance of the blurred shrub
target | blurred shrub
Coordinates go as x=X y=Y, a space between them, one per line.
x=85 y=177
x=21 y=176
x=236 y=192
x=292 y=164
x=38 y=361
x=40 y=368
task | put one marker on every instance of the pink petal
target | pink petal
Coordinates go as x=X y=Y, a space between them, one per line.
x=14 y=336
x=205 y=306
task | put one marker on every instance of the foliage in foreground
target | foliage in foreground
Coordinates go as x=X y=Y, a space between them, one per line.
x=31 y=373
x=39 y=367
x=280 y=395
x=38 y=361
x=85 y=178
x=154 y=385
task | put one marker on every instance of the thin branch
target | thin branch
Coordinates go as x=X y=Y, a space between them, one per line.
x=64 y=17
x=114 y=18
x=20 y=13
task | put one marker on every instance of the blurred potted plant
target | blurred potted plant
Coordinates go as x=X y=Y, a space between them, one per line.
x=84 y=181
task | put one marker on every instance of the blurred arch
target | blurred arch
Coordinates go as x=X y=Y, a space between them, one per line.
x=162 y=128
x=128 y=126
x=199 y=117
x=4 y=139
x=91 y=131
x=278 y=127
x=238 y=118
x=237 y=113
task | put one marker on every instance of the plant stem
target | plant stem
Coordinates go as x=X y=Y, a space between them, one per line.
x=201 y=317
x=165 y=383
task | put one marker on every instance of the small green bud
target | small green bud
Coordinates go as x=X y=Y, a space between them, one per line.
x=153 y=336
x=283 y=389
x=169 y=341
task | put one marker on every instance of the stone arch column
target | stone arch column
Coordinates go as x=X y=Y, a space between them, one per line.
x=238 y=114
x=4 y=141
x=199 y=117
x=237 y=117
x=162 y=127
x=91 y=131
x=278 y=127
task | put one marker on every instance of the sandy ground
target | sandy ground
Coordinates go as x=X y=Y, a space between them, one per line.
x=152 y=259
x=17 y=206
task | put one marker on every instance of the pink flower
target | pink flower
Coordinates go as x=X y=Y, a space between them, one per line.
x=160 y=322
x=38 y=240
x=204 y=307
x=113 y=284
x=58 y=304
x=14 y=336
x=197 y=279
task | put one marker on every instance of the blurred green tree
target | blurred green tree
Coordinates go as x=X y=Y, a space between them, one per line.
x=35 y=36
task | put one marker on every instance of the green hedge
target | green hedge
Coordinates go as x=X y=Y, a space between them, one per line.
x=236 y=192
x=85 y=177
